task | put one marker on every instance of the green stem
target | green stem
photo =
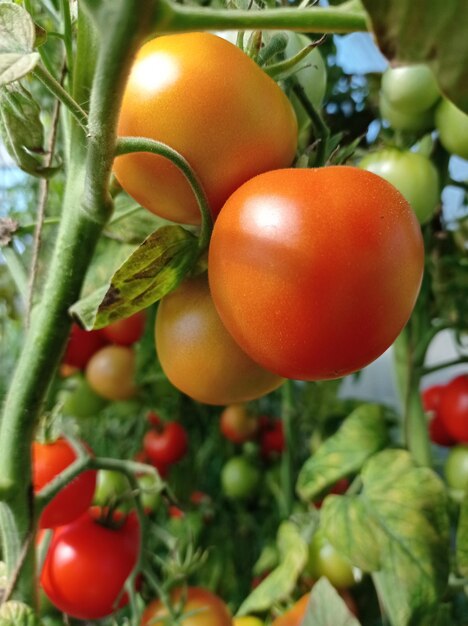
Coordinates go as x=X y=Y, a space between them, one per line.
x=287 y=458
x=173 y=18
x=321 y=130
x=125 y=145
x=59 y=92
x=68 y=37
x=17 y=271
x=86 y=208
x=441 y=366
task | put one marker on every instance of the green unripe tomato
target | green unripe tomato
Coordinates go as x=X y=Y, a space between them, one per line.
x=399 y=120
x=239 y=478
x=149 y=494
x=452 y=125
x=456 y=469
x=410 y=89
x=325 y=560
x=312 y=76
x=82 y=401
x=110 y=487
x=412 y=174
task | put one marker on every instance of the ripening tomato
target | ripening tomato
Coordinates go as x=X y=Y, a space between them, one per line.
x=295 y=615
x=81 y=346
x=197 y=353
x=127 y=331
x=166 y=444
x=207 y=99
x=203 y=608
x=111 y=373
x=452 y=124
x=237 y=424
x=49 y=460
x=453 y=408
x=410 y=89
x=314 y=272
x=88 y=563
x=412 y=174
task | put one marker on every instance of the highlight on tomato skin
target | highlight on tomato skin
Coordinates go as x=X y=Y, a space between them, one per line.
x=252 y=126
x=324 y=269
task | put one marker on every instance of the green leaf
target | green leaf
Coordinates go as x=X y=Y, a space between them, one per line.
x=360 y=436
x=327 y=608
x=397 y=528
x=15 y=613
x=154 y=269
x=22 y=131
x=462 y=539
x=279 y=584
x=17 y=36
x=428 y=31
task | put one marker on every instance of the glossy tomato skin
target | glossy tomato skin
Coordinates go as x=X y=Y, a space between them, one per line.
x=453 y=408
x=410 y=89
x=208 y=609
x=111 y=373
x=50 y=459
x=81 y=346
x=197 y=353
x=87 y=565
x=166 y=445
x=237 y=424
x=207 y=99
x=315 y=272
x=127 y=331
x=452 y=124
x=412 y=174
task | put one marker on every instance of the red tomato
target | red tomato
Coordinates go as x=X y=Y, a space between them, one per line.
x=314 y=272
x=127 y=331
x=205 y=609
x=197 y=353
x=166 y=445
x=181 y=92
x=237 y=424
x=81 y=346
x=431 y=398
x=272 y=440
x=49 y=460
x=111 y=373
x=87 y=565
x=453 y=409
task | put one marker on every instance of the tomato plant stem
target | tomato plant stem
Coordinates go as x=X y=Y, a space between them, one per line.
x=181 y=18
x=125 y=145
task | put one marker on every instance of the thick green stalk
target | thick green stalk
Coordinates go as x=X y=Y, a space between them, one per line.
x=86 y=208
x=173 y=17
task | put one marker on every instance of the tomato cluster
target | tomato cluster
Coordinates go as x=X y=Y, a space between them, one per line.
x=108 y=360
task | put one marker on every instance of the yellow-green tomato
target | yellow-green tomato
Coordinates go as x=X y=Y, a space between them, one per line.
x=411 y=89
x=325 y=560
x=412 y=174
x=400 y=120
x=247 y=620
x=452 y=125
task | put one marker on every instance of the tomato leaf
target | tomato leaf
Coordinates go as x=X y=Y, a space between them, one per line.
x=426 y=32
x=281 y=581
x=17 y=613
x=154 y=269
x=327 y=608
x=462 y=539
x=362 y=434
x=22 y=131
x=397 y=529
x=17 y=37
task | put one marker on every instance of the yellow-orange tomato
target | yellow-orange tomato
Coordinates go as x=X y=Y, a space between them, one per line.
x=205 y=607
x=209 y=101
x=295 y=615
x=315 y=272
x=197 y=353
x=111 y=372
x=247 y=621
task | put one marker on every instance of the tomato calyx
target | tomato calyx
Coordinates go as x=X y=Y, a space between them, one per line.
x=109 y=516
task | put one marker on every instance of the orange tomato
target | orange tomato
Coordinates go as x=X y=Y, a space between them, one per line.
x=208 y=609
